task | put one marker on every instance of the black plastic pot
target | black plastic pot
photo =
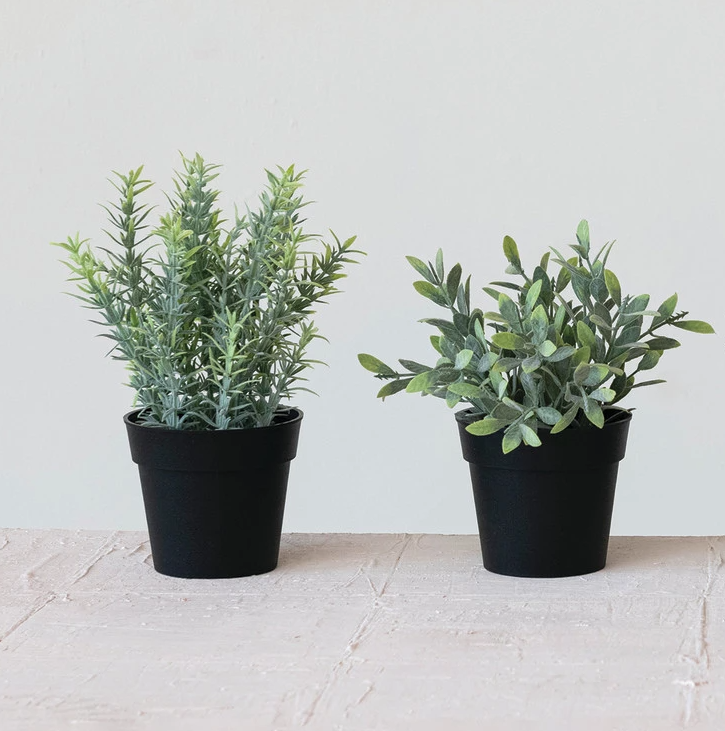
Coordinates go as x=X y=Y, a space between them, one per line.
x=214 y=500
x=546 y=511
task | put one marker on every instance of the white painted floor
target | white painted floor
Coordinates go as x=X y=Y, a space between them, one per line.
x=386 y=632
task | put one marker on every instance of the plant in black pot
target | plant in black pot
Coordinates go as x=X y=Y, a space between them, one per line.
x=214 y=325
x=543 y=375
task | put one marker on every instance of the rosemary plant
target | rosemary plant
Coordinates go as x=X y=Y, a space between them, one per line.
x=549 y=359
x=213 y=323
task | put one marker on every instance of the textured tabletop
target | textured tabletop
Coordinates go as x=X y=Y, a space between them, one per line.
x=359 y=632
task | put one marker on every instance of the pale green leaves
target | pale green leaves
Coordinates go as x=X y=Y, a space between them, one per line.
x=372 y=364
x=558 y=352
x=213 y=324
x=695 y=326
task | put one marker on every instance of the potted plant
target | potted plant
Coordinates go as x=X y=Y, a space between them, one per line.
x=213 y=325
x=540 y=375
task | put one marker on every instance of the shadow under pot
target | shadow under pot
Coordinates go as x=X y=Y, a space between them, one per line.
x=546 y=511
x=214 y=500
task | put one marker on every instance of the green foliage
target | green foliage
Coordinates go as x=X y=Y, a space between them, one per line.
x=560 y=349
x=213 y=323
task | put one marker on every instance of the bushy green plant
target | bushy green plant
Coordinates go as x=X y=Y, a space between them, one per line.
x=549 y=359
x=213 y=323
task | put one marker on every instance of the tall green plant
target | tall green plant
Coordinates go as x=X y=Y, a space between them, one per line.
x=213 y=323
x=549 y=359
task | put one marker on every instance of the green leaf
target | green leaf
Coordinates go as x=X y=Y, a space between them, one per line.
x=435 y=341
x=487 y=361
x=539 y=324
x=508 y=341
x=529 y=365
x=511 y=440
x=566 y=419
x=613 y=286
x=430 y=291
x=511 y=251
x=486 y=426
x=466 y=390
x=603 y=394
x=545 y=260
x=582 y=234
x=529 y=435
x=508 y=309
x=585 y=336
x=393 y=387
x=503 y=365
x=695 y=326
x=439 y=264
x=372 y=364
x=562 y=353
x=421 y=382
x=533 y=294
x=547 y=349
x=559 y=318
x=597 y=373
x=452 y=282
x=594 y=412
x=581 y=373
x=600 y=322
x=666 y=309
x=463 y=359
x=413 y=366
x=421 y=268
x=662 y=343
x=581 y=355
x=548 y=415
x=649 y=383
x=650 y=360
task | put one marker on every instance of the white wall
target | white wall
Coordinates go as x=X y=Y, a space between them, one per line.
x=423 y=124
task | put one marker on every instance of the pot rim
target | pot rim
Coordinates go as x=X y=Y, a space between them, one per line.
x=295 y=413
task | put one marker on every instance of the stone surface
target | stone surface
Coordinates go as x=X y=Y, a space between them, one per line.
x=374 y=632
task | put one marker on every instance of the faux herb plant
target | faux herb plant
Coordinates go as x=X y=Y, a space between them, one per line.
x=213 y=323
x=549 y=359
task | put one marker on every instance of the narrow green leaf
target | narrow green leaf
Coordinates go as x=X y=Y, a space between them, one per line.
x=435 y=341
x=548 y=415
x=486 y=426
x=585 y=336
x=562 y=353
x=430 y=291
x=650 y=360
x=533 y=294
x=695 y=326
x=547 y=349
x=597 y=373
x=466 y=390
x=372 y=364
x=393 y=387
x=421 y=268
x=594 y=413
x=603 y=394
x=581 y=355
x=649 y=383
x=508 y=341
x=511 y=440
x=666 y=309
x=421 y=382
x=566 y=419
x=452 y=282
x=613 y=286
x=511 y=251
x=413 y=366
x=508 y=309
x=439 y=264
x=582 y=234
x=529 y=435
x=581 y=373
x=539 y=324
x=662 y=343
x=463 y=359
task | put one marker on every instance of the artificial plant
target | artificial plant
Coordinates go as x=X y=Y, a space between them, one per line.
x=556 y=353
x=213 y=323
